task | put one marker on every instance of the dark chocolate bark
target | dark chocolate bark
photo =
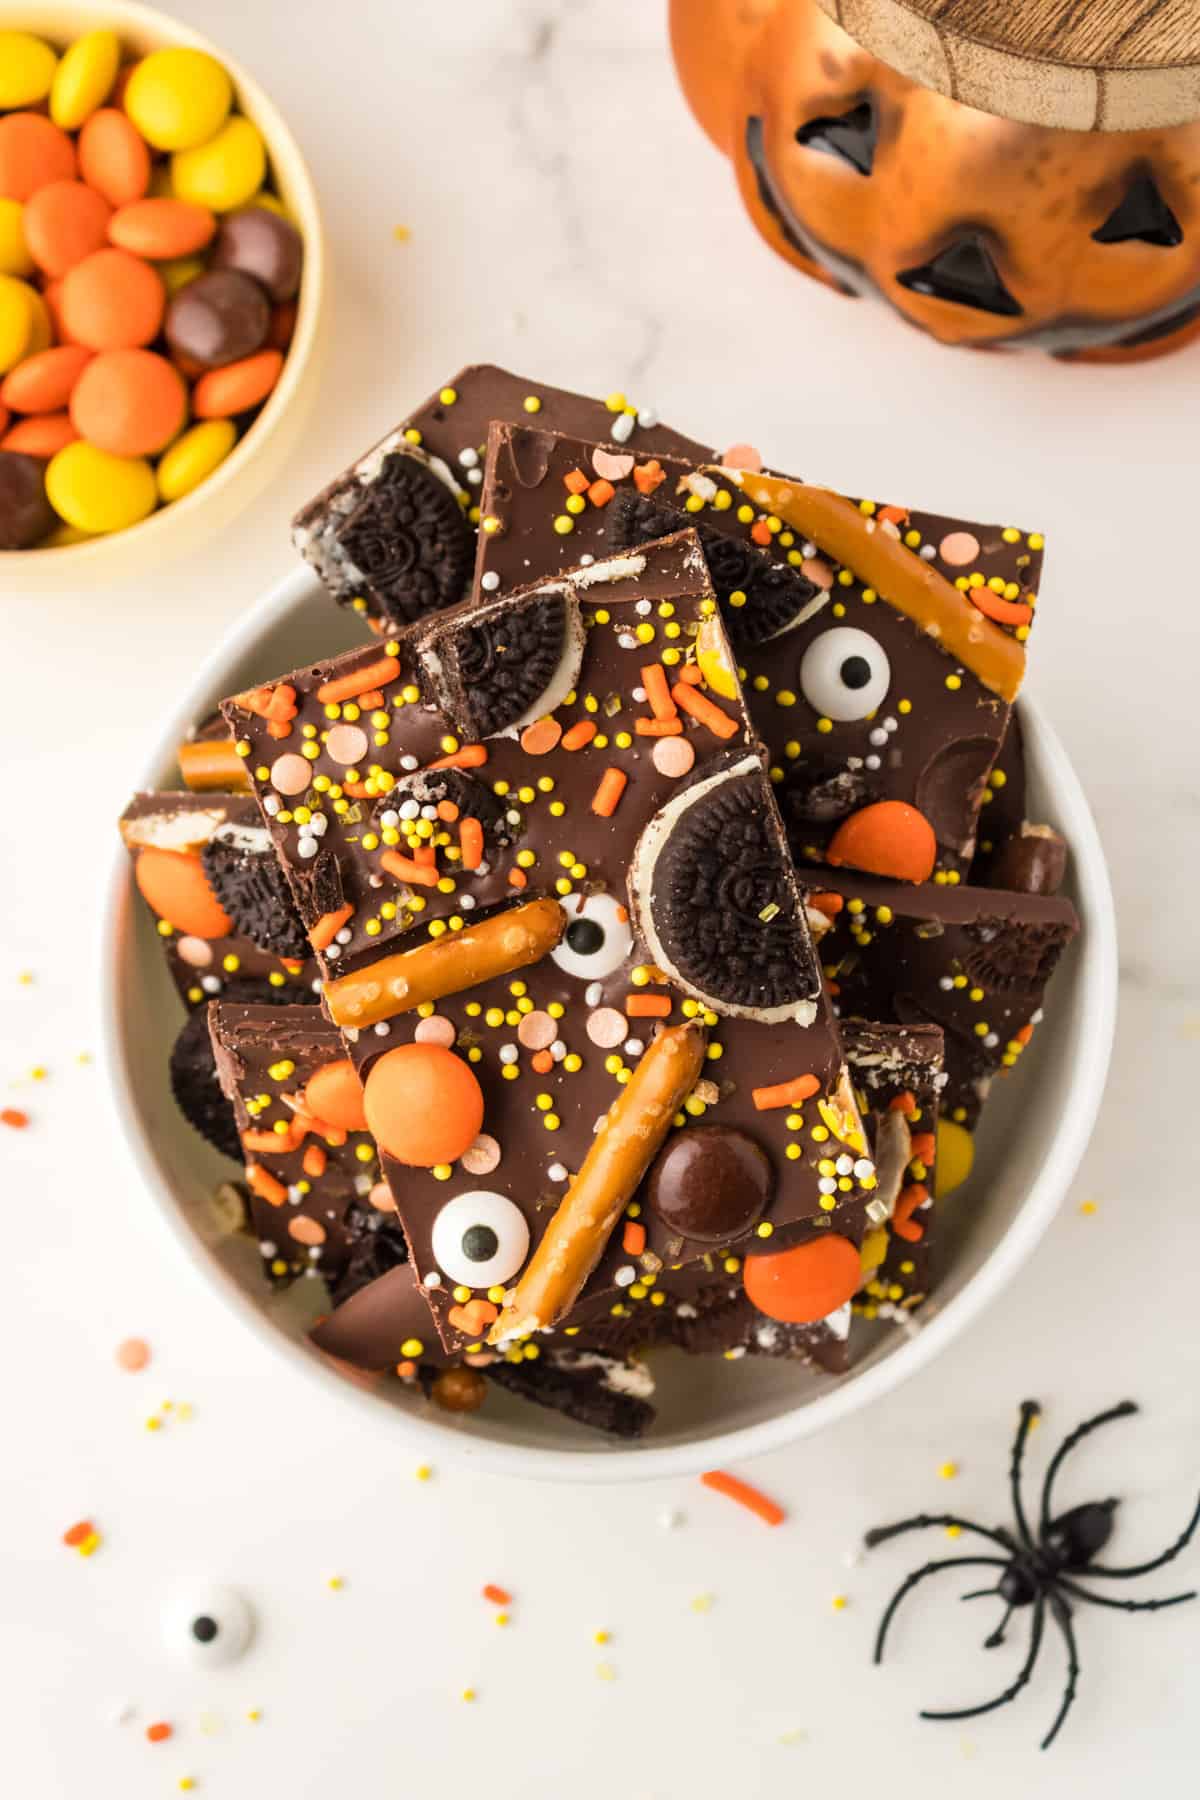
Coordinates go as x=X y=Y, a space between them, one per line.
x=227 y=826
x=975 y=961
x=880 y=712
x=393 y=537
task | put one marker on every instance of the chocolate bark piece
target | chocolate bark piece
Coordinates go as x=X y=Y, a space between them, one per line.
x=195 y=1084
x=608 y=1393
x=1003 y=806
x=372 y=1327
x=188 y=824
x=856 y=698
x=975 y=961
x=304 y=1175
x=394 y=536
x=349 y=773
x=899 y=1074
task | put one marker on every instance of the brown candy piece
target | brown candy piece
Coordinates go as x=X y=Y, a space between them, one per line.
x=459 y=1390
x=218 y=318
x=259 y=243
x=1032 y=860
x=711 y=1183
x=25 y=513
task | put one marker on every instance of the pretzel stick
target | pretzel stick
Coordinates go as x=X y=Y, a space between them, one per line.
x=621 y=1151
x=212 y=764
x=446 y=965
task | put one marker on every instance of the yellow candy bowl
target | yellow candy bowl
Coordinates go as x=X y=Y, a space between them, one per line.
x=261 y=451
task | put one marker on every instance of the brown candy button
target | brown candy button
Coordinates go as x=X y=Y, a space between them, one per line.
x=218 y=318
x=1032 y=860
x=259 y=243
x=25 y=513
x=710 y=1183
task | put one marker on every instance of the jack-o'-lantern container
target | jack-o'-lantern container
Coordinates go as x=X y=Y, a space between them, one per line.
x=1007 y=173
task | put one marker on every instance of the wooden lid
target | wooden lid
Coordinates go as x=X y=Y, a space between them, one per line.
x=1084 y=65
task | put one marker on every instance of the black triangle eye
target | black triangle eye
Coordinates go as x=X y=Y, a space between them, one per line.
x=1142 y=215
x=850 y=135
x=964 y=273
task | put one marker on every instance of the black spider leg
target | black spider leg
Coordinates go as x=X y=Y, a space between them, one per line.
x=1061 y=1613
x=921 y=1522
x=1156 y=1562
x=1010 y=1692
x=1080 y=1593
x=1029 y=1412
x=910 y=1582
x=1120 y=1411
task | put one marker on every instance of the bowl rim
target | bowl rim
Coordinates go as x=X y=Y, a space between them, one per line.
x=68 y=560
x=420 y=1432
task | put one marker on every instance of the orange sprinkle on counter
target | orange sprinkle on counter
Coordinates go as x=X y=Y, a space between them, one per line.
x=76 y=1534
x=751 y=1498
x=607 y=796
x=160 y=1732
x=786 y=1093
x=497 y=1595
x=14 y=1117
x=371 y=675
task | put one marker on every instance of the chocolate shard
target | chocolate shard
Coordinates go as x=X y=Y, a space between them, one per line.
x=608 y=1393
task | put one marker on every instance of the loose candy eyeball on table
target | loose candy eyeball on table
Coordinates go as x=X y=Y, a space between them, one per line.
x=207 y=1625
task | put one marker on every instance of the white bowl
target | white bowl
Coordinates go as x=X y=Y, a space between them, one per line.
x=710 y=1414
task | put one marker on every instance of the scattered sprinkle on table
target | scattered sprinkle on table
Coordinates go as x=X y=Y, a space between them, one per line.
x=605 y=1672
x=796 y=1736
x=1088 y=1207
x=424 y=1472
x=840 y=1602
x=12 y=1115
x=468 y=1694
x=948 y=1471
x=82 y=1537
x=254 y=1715
x=670 y=1518
x=750 y=1497
x=336 y=1582
x=497 y=1595
x=702 y=1603
x=159 y=1732
x=602 y=1637
x=133 y=1354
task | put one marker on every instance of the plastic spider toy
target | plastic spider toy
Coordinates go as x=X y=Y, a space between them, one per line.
x=1036 y=1569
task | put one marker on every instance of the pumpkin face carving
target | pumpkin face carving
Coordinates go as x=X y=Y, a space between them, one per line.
x=979 y=230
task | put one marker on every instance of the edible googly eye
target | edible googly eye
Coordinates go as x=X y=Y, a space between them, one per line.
x=480 y=1238
x=208 y=1626
x=597 y=939
x=844 y=673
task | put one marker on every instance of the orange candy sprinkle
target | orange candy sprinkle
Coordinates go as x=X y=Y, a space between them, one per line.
x=752 y=1498
x=541 y=737
x=785 y=1093
x=13 y=1117
x=133 y=1354
x=607 y=796
x=160 y=1732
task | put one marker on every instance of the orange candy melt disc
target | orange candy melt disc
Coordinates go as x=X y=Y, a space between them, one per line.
x=803 y=1285
x=423 y=1105
x=888 y=838
x=334 y=1095
x=173 y=884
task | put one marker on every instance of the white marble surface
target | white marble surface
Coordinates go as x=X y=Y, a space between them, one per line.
x=566 y=216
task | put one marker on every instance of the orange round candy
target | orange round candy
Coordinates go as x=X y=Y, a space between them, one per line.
x=45 y=434
x=335 y=1096
x=805 y=1284
x=112 y=301
x=43 y=383
x=173 y=884
x=113 y=159
x=238 y=386
x=888 y=838
x=32 y=152
x=161 y=229
x=64 y=222
x=423 y=1105
x=132 y=402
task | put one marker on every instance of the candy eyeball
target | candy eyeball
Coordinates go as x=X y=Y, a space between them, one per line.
x=844 y=674
x=597 y=939
x=480 y=1239
x=208 y=1626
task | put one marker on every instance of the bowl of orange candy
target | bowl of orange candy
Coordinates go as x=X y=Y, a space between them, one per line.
x=161 y=290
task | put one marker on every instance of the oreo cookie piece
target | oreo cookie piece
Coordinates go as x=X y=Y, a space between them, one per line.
x=472 y=798
x=376 y=1247
x=714 y=895
x=192 y=1066
x=244 y=873
x=605 y=1392
x=499 y=667
x=771 y=595
x=391 y=533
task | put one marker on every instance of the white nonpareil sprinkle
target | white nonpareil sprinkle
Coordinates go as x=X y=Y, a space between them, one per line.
x=308 y=846
x=670 y=1518
x=490 y=582
x=647 y=417
x=632 y=1046
x=466 y=901
x=593 y=993
x=468 y=457
x=586 y=560
x=351 y=1033
x=411 y=809
x=844 y=1164
x=509 y=1053
x=557 y=1171
x=872 y=762
x=558 y=1049
x=642 y=607
x=877 y=736
x=621 y=429
x=383 y=1029
x=270 y=805
x=625 y=1276
x=432 y=1280
x=319 y=825
x=627 y=641
x=210 y=983
x=864 y=1167
x=409 y=762
x=344 y=936
x=827 y=1185
x=475 y=477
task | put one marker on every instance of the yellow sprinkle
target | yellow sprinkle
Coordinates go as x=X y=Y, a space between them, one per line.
x=501 y=1618
x=401 y=233
x=602 y=1637
x=153 y=1423
x=336 y=1582
x=424 y=1472
x=468 y=1694
x=1087 y=1206
x=954 y=1531
x=186 y=1782
x=702 y=1603
x=254 y=1715
x=840 y=1603
x=605 y=1672
x=948 y=1471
